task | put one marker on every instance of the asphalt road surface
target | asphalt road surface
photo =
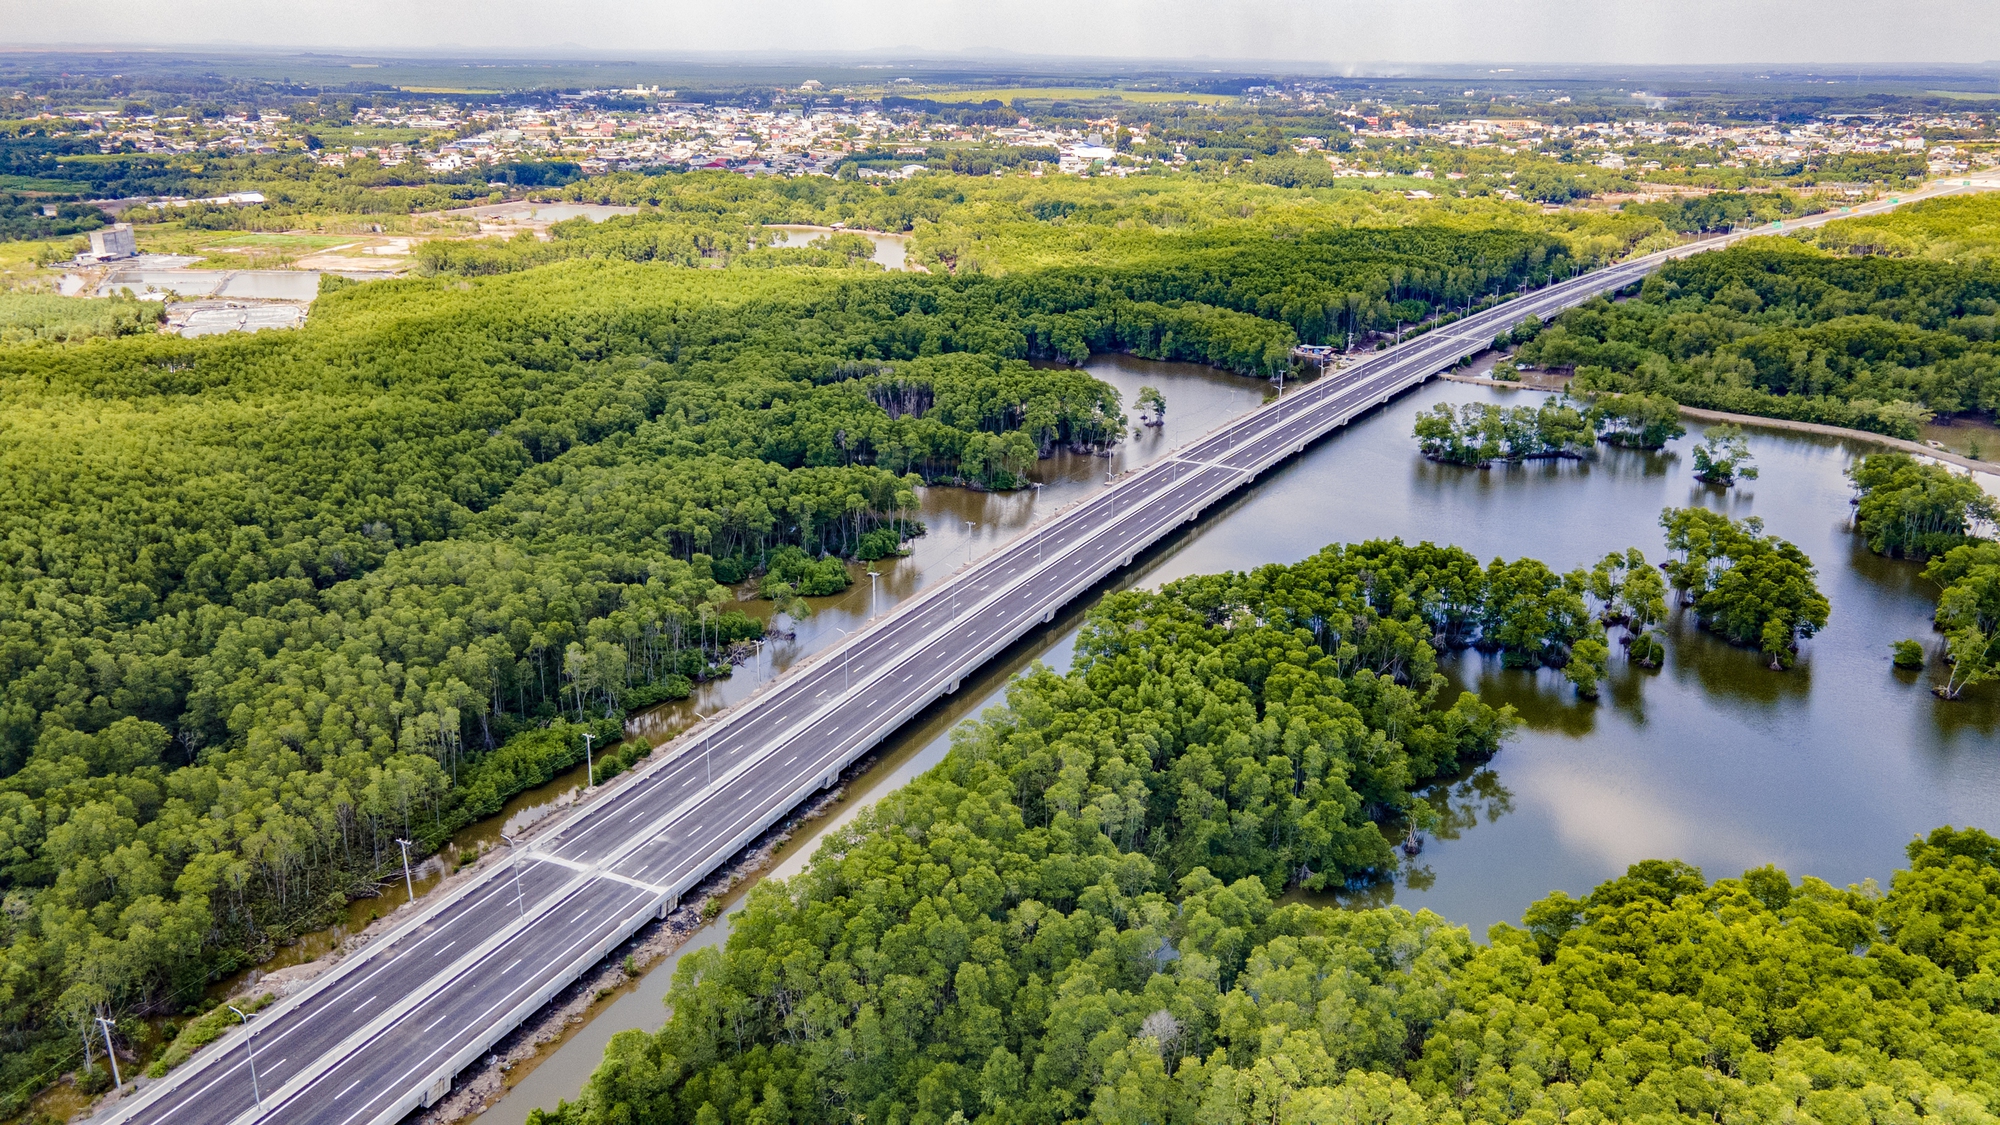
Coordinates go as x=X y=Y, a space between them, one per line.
x=387 y=1029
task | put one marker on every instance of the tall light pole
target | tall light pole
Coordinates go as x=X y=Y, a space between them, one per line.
x=845 y=651
x=109 y=1052
x=589 y=765
x=514 y=860
x=256 y=1096
x=1041 y=532
x=407 y=884
x=873 y=575
x=969 y=525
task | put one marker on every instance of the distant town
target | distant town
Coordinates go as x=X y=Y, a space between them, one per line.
x=814 y=139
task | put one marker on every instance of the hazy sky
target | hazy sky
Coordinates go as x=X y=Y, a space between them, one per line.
x=1330 y=33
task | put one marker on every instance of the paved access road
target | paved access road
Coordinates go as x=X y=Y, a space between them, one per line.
x=387 y=1029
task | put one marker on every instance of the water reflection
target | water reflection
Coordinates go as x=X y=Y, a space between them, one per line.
x=891 y=250
x=963 y=524
x=1827 y=769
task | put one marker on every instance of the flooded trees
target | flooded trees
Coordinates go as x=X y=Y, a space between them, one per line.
x=1481 y=433
x=1637 y=421
x=1152 y=406
x=1723 y=457
x=1909 y=509
x=1753 y=589
x=1633 y=594
x=1969 y=613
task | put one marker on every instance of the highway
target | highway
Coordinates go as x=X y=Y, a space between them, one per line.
x=384 y=1031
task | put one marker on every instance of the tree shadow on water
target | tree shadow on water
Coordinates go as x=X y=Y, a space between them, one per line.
x=1544 y=700
x=1731 y=673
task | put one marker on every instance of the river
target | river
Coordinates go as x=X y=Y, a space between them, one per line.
x=1828 y=769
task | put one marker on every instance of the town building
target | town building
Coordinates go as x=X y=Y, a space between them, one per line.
x=113 y=242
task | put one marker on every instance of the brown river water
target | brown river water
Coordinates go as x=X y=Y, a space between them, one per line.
x=1828 y=769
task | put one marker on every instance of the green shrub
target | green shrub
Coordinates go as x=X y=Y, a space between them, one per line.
x=47 y=318
x=203 y=1030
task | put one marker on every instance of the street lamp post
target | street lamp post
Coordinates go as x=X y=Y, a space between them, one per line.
x=256 y=1095
x=873 y=575
x=1041 y=532
x=109 y=1051
x=589 y=764
x=514 y=861
x=408 y=885
x=846 y=650
x=969 y=525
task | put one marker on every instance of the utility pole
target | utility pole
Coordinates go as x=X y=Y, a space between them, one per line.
x=514 y=861
x=589 y=765
x=109 y=1051
x=407 y=884
x=255 y=1095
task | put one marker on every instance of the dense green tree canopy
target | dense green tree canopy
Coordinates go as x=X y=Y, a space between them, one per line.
x=1481 y=433
x=1913 y=509
x=951 y=955
x=1774 y=328
x=269 y=602
x=1752 y=588
x=1968 y=578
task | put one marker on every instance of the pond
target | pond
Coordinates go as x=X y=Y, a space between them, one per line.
x=258 y=285
x=891 y=250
